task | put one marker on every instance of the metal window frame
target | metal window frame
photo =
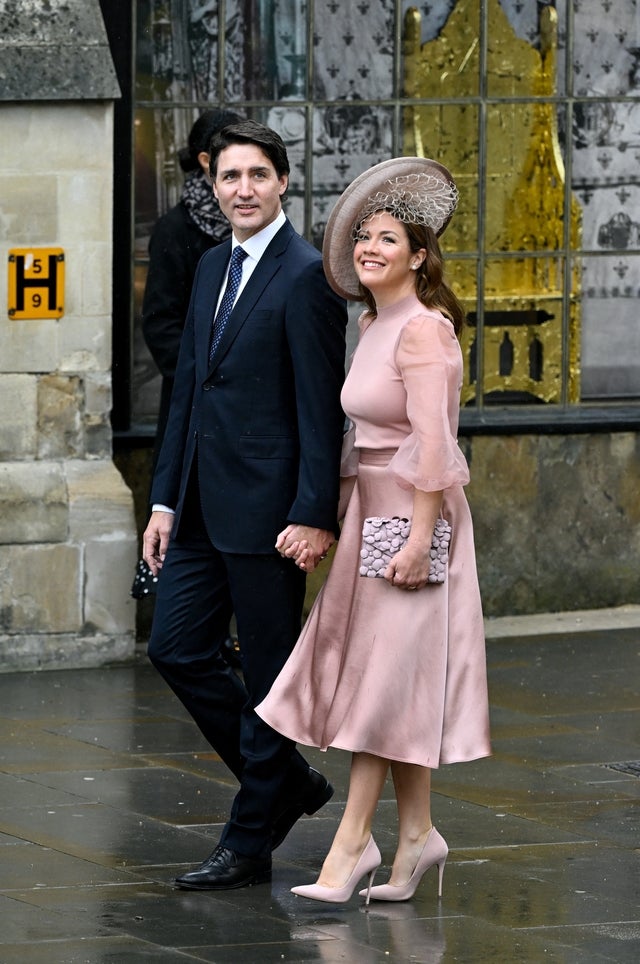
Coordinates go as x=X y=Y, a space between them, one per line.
x=562 y=417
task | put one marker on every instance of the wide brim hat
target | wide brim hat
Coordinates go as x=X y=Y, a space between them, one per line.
x=413 y=188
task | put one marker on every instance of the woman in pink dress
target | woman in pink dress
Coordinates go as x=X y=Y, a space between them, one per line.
x=393 y=668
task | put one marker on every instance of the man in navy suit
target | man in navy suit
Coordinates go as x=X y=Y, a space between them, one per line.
x=250 y=458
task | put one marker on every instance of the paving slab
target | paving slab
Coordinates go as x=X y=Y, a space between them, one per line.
x=108 y=790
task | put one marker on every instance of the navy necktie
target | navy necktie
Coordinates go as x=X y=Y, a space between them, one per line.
x=230 y=292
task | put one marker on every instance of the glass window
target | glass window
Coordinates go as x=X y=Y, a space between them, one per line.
x=533 y=106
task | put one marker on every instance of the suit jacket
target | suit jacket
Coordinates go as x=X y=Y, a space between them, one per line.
x=175 y=248
x=261 y=425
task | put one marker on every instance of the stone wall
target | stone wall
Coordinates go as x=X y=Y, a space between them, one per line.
x=557 y=520
x=67 y=529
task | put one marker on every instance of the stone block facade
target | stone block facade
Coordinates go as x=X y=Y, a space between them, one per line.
x=557 y=520
x=67 y=527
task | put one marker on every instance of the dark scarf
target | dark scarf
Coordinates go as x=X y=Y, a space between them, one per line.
x=202 y=206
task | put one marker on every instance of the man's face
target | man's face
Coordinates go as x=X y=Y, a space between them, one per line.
x=248 y=189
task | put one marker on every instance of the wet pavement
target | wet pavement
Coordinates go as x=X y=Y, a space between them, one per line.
x=107 y=790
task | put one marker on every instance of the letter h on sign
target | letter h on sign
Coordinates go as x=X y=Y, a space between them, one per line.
x=36 y=283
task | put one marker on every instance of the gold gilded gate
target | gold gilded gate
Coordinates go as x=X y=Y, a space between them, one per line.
x=496 y=129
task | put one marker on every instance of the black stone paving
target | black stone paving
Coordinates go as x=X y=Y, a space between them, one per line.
x=108 y=790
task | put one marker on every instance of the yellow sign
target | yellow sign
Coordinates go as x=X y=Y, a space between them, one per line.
x=36 y=283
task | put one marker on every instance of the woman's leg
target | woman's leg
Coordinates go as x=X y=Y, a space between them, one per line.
x=413 y=793
x=366 y=780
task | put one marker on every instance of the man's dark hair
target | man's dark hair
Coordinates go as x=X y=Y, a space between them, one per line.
x=250 y=132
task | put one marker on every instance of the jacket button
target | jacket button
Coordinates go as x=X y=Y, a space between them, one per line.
x=207 y=386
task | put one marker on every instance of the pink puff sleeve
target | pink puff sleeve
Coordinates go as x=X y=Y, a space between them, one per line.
x=429 y=360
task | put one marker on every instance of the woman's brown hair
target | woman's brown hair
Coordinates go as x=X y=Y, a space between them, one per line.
x=431 y=287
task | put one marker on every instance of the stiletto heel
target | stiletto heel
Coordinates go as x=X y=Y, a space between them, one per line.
x=368 y=862
x=434 y=853
x=440 y=864
x=368 y=889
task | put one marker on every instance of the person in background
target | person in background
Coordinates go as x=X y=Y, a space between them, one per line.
x=179 y=239
x=393 y=668
x=252 y=446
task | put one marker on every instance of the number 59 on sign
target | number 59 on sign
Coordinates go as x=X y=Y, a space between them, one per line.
x=36 y=283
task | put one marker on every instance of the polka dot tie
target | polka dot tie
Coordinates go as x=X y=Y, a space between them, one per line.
x=230 y=292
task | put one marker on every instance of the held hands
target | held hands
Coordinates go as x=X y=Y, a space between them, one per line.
x=156 y=539
x=305 y=545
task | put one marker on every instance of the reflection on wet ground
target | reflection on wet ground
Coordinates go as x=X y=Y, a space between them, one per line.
x=107 y=790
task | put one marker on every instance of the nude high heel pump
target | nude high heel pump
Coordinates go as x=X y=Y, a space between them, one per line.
x=435 y=851
x=368 y=862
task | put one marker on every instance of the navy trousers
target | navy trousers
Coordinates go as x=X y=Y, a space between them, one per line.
x=198 y=591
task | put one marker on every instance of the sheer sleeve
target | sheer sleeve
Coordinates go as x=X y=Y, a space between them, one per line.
x=429 y=359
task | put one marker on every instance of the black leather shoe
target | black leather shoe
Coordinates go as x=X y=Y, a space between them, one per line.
x=316 y=793
x=226 y=870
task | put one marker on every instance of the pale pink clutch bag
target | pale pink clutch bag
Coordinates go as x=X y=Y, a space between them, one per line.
x=382 y=537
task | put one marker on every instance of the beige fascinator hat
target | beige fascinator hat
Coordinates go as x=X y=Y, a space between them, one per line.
x=413 y=189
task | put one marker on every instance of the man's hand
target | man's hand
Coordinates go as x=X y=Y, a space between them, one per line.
x=305 y=545
x=156 y=539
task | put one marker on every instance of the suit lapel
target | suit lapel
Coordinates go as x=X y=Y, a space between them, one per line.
x=267 y=267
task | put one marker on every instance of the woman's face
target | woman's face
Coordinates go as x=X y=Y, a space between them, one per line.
x=383 y=260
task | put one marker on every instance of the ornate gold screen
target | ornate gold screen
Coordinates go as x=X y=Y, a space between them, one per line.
x=498 y=135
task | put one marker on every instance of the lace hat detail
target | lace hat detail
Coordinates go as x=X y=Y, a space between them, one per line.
x=413 y=189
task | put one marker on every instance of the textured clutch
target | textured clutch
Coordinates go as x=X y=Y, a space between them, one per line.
x=382 y=538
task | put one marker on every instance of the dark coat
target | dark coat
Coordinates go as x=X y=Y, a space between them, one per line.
x=175 y=248
x=261 y=425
